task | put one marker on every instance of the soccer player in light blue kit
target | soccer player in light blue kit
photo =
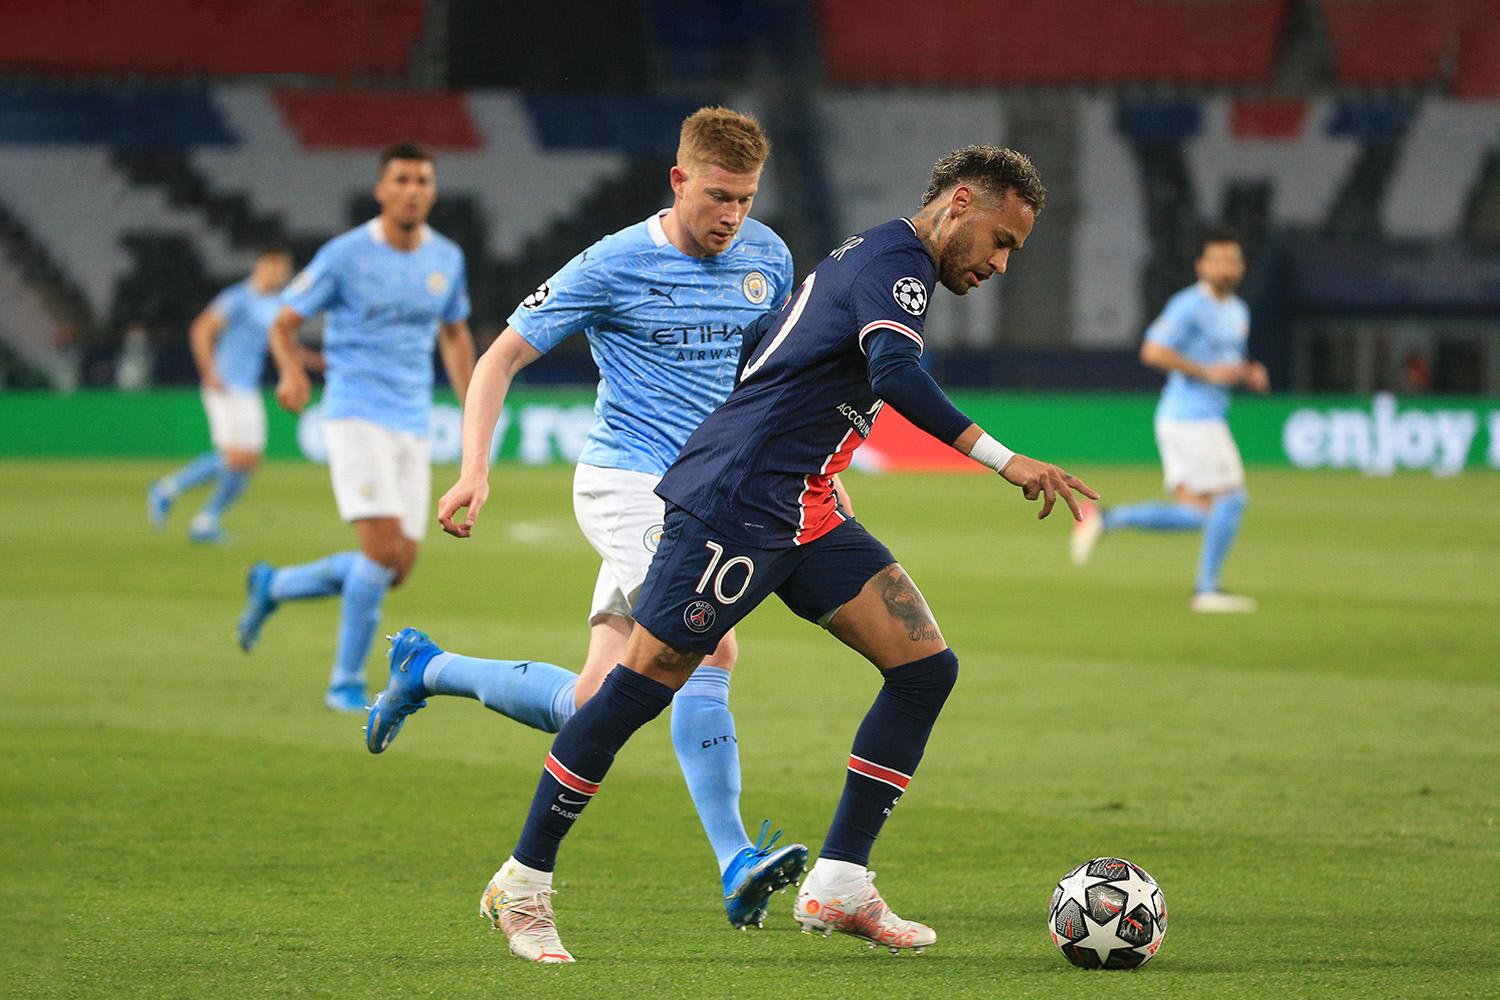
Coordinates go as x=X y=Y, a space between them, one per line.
x=663 y=304
x=228 y=339
x=1199 y=341
x=392 y=289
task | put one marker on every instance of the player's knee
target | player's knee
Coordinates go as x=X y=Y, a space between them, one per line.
x=925 y=683
x=726 y=655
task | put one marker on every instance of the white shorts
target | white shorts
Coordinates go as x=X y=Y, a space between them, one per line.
x=622 y=518
x=1199 y=455
x=236 y=419
x=378 y=472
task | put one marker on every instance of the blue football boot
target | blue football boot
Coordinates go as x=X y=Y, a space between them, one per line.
x=755 y=873
x=158 y=505
x=404 y=692
x=258 y=605
x=347 y=698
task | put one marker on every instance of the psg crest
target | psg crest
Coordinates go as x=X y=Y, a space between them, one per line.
x=756 y=287
x=911 y=295
x=699 y=616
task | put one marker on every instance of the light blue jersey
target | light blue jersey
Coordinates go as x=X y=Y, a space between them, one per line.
x=240 y=351
x=384 y=308
x=664 y=329
x=1208 y=331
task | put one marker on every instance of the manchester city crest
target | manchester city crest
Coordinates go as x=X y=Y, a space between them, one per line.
x=652 y=538
x=436 y=283
x=756 y=287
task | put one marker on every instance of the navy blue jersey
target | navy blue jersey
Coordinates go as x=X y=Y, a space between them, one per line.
x=759 y=468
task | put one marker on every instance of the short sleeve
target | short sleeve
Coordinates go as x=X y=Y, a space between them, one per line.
x=891 y=292
x=317 y=287
x=228 y=303
x=576 y=298
x=1174 y=326
x=457 y=306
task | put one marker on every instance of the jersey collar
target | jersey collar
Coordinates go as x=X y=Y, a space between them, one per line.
x=377 y=233
x=653 y=226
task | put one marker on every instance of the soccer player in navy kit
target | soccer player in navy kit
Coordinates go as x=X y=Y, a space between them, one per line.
x=752 y=510
x=662 y=303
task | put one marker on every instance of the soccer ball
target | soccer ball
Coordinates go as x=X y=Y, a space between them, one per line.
x=1107 y=914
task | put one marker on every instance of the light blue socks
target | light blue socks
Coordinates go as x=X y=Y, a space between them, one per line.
x=200 y=470
x=1155 y=515
x=1223 y=525
x=322 y=578
x=232 y=483
x=539 y=695
x=703 y=736
x=365 y=585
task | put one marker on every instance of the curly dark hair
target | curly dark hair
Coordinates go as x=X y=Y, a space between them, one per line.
x=991 y=168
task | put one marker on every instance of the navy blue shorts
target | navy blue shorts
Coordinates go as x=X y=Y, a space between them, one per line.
x=700 y=585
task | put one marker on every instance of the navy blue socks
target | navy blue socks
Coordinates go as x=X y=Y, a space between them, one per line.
x=580 y=758
x=887 y=749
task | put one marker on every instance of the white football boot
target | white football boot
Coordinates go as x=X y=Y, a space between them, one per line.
x=526 y=920
x=1217 y=602
x=1086 y=533
x=860 y=913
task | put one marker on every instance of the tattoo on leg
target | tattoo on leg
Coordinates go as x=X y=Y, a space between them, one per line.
x=677 y=660
x=904 y=601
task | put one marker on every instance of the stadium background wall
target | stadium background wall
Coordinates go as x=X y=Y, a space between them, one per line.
x=1444 y=435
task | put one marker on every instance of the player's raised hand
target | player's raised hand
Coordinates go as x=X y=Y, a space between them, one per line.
x=466 y=494
x=293 y=390
x=1039 y=479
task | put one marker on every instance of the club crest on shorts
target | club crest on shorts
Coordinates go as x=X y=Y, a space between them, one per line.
x=652 y=538
x=911 y=295
x=699 y=616
x=542 y=294
x=436 y=283
x=755 y=287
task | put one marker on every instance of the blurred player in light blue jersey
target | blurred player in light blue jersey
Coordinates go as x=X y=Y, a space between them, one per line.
x=663 y=304
x=229 y=346
x=392 y=289
x=1199 y=341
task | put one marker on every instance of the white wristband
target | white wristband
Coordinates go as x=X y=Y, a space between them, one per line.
x=988 y=451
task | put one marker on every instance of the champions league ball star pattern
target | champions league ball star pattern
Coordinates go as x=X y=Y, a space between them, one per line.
x=1107 y=914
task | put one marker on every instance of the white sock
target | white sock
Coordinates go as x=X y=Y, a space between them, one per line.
x=516 y=877
x=837 y=877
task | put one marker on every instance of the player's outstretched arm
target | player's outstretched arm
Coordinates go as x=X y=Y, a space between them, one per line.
x=293 y=387
x=1036 y=479
x=485 y=398
x=201 y=337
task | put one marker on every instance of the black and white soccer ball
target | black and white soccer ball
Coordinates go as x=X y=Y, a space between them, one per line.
x=1107 y=914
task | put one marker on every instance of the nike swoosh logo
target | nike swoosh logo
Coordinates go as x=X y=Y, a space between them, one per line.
x=567 y=801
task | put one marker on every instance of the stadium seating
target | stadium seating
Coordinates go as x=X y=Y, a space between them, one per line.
x=969 y=42
x=338 y=38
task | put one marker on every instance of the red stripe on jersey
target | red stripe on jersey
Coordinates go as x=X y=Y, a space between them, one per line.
x=569 y=779
x=817 y=508
x=888 y=324
x=870 y=769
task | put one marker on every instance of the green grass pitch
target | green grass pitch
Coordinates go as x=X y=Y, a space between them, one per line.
x=1315 y=786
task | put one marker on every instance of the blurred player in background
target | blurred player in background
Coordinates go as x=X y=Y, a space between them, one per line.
x=1199 y=342
x=392 y=288
x=662 y=303
x=752 y=510
x=228 y=340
